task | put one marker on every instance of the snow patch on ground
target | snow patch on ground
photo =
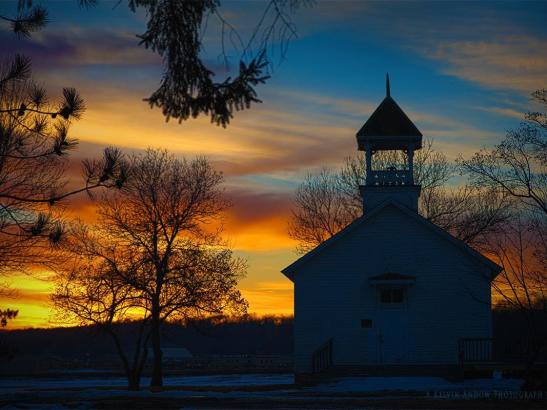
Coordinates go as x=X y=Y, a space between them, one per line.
x=350 y=386
x=225 y=380
x=64 y=393
x=421 y=384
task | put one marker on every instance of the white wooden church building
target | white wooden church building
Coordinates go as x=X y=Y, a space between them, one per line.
x=391 y=290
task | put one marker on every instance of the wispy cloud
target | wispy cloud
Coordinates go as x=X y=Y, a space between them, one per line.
x=276 y=137
x=77 y=47
x=515 y=62
x=502 y=111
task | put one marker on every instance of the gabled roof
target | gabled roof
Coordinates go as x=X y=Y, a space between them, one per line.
x=389 y=120
x=290 y=270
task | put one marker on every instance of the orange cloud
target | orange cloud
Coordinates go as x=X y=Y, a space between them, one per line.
x=503 y=111
x=512 y=62
x=270 y=298
x=31 y=299
x=259 y=141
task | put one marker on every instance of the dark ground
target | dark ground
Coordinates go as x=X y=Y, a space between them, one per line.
x=31 y=394
x=197 y=401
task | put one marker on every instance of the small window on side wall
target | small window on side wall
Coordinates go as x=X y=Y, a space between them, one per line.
x=391 y=296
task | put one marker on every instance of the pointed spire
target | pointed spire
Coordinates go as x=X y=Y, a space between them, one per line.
x=387 y=85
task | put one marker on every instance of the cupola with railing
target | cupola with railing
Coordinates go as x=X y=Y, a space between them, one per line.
x=391 y=135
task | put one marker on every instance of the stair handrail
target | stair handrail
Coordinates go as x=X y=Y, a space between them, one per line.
x=322 y=357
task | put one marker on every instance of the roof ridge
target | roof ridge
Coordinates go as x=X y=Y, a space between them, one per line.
x=289 y=270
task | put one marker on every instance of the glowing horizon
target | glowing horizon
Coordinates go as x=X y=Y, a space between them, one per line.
x=463 y=74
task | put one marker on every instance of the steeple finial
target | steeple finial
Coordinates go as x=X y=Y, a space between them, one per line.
x=387 y=85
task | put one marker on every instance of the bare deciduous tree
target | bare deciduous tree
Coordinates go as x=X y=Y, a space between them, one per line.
x=521 y=250
x=324 y=205
x=469 y=213
x=91 y=290
x=328 y=201
x=155 y=252
x=518 y=165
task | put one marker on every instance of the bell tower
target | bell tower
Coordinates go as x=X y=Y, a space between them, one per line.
x=389 y=129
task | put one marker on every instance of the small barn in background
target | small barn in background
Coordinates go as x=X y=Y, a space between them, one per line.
x=173 y=354
x=391 y=290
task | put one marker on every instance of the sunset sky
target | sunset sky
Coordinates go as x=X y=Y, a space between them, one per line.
x=462 y=71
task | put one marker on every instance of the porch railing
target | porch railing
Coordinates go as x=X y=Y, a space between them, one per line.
x=322 y=357
x=475 y=350
x=389 y=177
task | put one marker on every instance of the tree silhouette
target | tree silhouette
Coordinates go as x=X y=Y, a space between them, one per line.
x=6 y=315
x=328 y=201
x=34 y=145
x=521 y=250
x=175 y=31
x=29 y=18
x=91 y=289
x=153 y=253
x=518 y=165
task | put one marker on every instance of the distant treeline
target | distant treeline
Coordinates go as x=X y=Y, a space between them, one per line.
x=88 y=346
x=519 y=333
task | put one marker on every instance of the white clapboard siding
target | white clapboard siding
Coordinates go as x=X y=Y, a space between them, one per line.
x=449 y=300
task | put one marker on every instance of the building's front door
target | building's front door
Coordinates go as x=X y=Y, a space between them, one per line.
x=392 y=326
x=392 y=336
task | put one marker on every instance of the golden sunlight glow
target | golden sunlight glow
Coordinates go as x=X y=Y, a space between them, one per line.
x=35 y=309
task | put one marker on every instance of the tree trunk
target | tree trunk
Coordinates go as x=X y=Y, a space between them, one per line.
x=133 y=375
x=157 y=376
x=133 y=380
